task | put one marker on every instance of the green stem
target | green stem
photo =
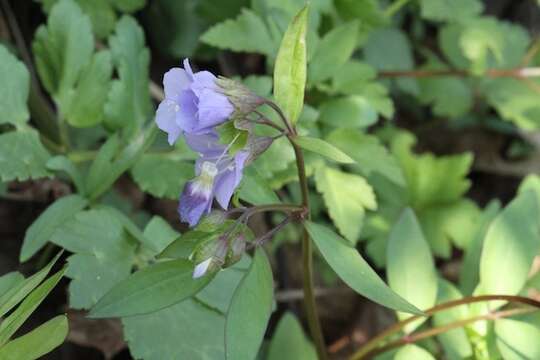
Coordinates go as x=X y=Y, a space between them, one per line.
x=410 y=339
x=394 y=8
x=307 y=261
x=374 y=343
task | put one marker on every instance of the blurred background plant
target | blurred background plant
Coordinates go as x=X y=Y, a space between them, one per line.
x=437 y=102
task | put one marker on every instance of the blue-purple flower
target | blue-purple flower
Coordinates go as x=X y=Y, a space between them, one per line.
x=193 y=103
x=218 y=174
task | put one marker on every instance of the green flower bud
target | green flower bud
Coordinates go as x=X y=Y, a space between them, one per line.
x=243 y=99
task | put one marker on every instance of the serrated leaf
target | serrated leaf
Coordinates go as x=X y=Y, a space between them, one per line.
x=15 y=89
x=100 y=260
x=84 y=106
x=335 y=48
x=367 y=11
x=162 y=176
x=455 y=10
x=150 y=289
x=128 y=101
x=13 y=322
x=290 y=68
x=352 y=111
x=250 y=310
x=512 y=241
x=56 y=215
x=37 y=342
x=410 y=268
x=22 y=156
x=354 y=270
x=289 y=341
x=247 y=33
x=63 y=163
x=323 y=148
x=62 y=48
x=347 y=197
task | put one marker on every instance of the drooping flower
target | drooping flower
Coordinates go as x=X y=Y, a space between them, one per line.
x=193 y=104
x=218 y=174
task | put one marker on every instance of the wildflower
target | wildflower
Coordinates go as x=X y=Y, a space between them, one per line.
x=193 y=103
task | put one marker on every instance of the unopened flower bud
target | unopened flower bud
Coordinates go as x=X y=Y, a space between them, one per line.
x=237 y=247
x=209 y=256
x=212 y=221
x=257 y=145
x=243 y=99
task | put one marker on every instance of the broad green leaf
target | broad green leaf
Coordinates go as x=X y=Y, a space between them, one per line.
x=335 y=48
x=369 y=12
x=369 y=154
x=128 y=101
x=354 y=270
x=290 y=68
x=411 y=351
x=150 y=289
x=85 y=103
x=455 y=10
x=255 y=190
x=46 y=224
x=162 y=176
x=512 y=241
x=15 y=89
x=100 y=260
x=455 y=342
x=22 y=287
x=353 y=111
x=250 y=310
x=63 y=163
x=482 y=41
x=199 y=322
x=469 y=275
x=159 y=234
x=410 y=268
x=128 y=5
x=102 y=164
x=22 y=156
x=13 y=322
x=9 y=280
x=352 y=76
x=62 y=48
x=289 y=341
x=183 y=247
x=246 y=33
x=323 y=148
x=389 y=49
x=37 y=342
x=517 y=340
x=347 y=196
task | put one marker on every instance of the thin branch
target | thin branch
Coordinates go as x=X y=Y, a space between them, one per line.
x=518 y=73
x=156 y=91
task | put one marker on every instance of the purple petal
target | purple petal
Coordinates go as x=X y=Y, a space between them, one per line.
x=205 y=144
x=214 y=108
x=187 y=117
x=174 y=82
x=203 y=80
x=166 y=120
x=193 y=203
x=229 y=180
x=201 y=268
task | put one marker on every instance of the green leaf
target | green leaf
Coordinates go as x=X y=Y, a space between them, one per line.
x=22 y=156
x=323 y=148
x=289 y=341
x=455 y=343
x=85 y=103
x=183 y=247
x=389 y=50
x=512 y=241
x=38 y=342
x=250 y=310
x=128 y=101
x=369 y=12
x=410 y=268
x=335 y=48
x=63 y=163
x=456 y=10
x=353 y=111
x=246 y=33
x=369 y=154
x=290 y=68
x=13 y=322
x=354 y=270
x=255 y=190
x=100 y=260
x=159 y=234
x=150 y=289
x=22 y=287
x=48 y=222
x=15 y=89
x=128 y=5
x=517 y=340
x=347 y=196
x=8 y=281
x=63 y=48
x=162 y=176
x=412 y=351
x=199 y=321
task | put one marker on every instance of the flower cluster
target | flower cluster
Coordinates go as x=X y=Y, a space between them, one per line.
x=194 y=105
